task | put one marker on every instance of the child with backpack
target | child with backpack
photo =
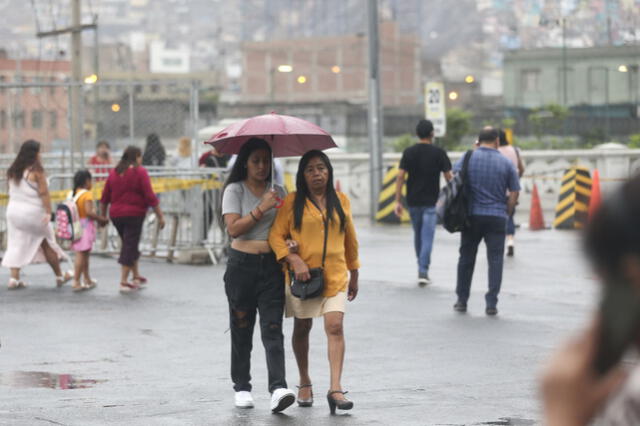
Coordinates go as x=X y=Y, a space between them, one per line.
x=83 y=197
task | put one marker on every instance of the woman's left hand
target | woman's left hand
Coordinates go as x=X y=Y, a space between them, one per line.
x=353 y=285
x=293 y=247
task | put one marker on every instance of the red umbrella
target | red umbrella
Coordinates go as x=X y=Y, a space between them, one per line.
x=288 y=136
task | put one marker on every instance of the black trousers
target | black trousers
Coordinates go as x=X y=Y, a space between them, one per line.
x=255 y=284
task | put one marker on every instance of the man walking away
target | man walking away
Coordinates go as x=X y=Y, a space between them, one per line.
x=423 y=162
x=513 y=154
x=490 y=176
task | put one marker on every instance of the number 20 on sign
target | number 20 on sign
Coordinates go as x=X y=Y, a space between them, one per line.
x=435 y=107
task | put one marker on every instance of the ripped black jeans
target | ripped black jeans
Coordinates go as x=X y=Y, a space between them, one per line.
x=255 y=284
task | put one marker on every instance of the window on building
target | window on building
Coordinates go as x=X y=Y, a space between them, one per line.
x=37 y=88
x=3 y=79
x=53 y=120
x=19 y=119
x=172 y=62
x=3 y=119
x=52 y=89
x=531 y=80
x=155 y=88
x=567 y=94
x=598 y=85
x=139 y=88
x=36 y=119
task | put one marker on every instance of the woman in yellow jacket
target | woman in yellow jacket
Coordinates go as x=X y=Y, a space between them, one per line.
x=297 y=238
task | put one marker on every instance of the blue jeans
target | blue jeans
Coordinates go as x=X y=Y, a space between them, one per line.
x=492 y=230
x=424 y=222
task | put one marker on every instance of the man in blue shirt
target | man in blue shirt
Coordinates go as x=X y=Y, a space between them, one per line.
x=490 y=175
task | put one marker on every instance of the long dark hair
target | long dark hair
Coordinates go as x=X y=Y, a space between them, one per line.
x=302 y=191
x=27 y=158
x=239 y=170
x=80 y=178
x=154 y=153
x=129 y=157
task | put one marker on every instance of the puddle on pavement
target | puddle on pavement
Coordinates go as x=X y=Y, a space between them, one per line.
x=41 y=379
x=509 y=421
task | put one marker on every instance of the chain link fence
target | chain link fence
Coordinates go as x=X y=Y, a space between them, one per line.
x=120 y=112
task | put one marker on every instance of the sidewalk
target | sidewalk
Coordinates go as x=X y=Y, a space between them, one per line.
x=161 y=357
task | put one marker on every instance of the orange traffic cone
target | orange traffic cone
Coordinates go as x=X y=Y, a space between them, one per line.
x=596 y=198
x=536 y=218
x=338 y=185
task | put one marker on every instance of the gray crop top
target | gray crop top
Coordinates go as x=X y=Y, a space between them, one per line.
x=237 y=198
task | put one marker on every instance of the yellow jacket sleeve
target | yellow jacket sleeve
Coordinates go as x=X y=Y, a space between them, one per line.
x=350 y=238
x=281 y=228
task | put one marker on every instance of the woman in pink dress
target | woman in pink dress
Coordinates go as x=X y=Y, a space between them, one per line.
x=29 y=231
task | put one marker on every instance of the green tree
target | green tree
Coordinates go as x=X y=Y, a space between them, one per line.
x=458 y=125
x=403 y=142
x=548 y=119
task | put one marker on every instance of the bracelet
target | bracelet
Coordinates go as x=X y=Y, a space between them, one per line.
x=260 y=210
x=253 y=217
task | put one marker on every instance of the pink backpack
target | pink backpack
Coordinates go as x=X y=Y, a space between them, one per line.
x=68 y=226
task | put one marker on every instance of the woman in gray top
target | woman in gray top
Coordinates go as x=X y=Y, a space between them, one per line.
x=253 y=281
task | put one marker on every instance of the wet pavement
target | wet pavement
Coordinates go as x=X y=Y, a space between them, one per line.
x=161 y=357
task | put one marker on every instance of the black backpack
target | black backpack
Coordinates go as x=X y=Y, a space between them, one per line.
x=453 y=203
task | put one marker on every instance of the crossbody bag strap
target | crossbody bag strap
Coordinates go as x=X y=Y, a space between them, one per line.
x=326 y=236
x=326 y=231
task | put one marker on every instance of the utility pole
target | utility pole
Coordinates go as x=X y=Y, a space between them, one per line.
x=375 y=119
x=76 y=76
x=565 y=101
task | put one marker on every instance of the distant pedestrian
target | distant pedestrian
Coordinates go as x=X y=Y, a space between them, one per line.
x=253 y=281
x=101 y=161
x=30 y=236
x=513 y=154
x=82 y=191
x=313 y=222
x=129 y=195
x=423 y=162
x=154 y=152
x=490 y=175
x=213 y=158
x=183 y=159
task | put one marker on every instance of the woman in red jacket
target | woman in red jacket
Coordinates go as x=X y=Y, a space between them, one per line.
x=128 y=191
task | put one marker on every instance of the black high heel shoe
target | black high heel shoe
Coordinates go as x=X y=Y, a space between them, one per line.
x=340 y=404
x=308 y=402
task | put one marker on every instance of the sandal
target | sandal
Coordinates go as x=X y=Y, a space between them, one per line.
x=60 y=281
x=77 y=287
x=307 y=402
x=140 y=280
x=128 y=287
x=13 y=284
x=89 y=284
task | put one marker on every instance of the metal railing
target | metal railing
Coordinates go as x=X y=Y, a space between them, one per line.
x=190 y=200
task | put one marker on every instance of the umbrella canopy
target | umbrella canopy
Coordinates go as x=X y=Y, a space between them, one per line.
x=288 y=136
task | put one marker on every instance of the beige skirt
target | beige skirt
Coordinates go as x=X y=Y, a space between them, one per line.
x=313 y=308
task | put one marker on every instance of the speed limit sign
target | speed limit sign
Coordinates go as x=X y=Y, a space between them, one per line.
x=435 y=108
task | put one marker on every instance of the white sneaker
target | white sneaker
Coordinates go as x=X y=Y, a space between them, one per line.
x=244 y=399
x=281 y=399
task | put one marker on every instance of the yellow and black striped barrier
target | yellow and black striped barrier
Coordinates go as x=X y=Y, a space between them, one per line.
x=159 y=186
x=572 y=210
x=386 y=200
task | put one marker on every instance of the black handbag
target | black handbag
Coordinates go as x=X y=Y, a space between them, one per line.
x=315 y=286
